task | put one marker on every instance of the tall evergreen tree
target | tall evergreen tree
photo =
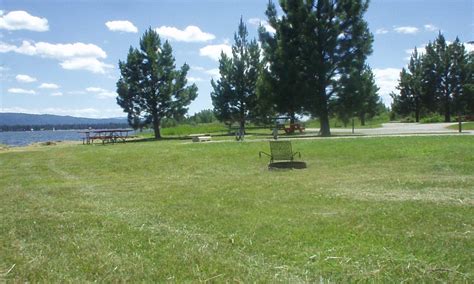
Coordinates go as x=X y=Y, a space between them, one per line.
x=430 y=79
x=468 y=86
x=349 y=96
x=234 y=94
x=410 y=86
x=357 y=96
x=332 y=37
x=150 y=87
x=458 y=76
x=438 y=81
x=371 y=102
x=403 y=102
x=281 y=79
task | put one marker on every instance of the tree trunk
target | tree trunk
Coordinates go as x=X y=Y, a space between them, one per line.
x=325 y=130
x=447 y=113
x=417 y=110
x=156 y=127
x=362 y=119
x=292 y=117
x=242 y=126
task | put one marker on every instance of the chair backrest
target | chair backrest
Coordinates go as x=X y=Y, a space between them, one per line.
x=281 y=150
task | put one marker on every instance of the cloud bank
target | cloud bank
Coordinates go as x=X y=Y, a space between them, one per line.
x=21 y=20
x=73 y=56
x=189 y=34
x=121 y=26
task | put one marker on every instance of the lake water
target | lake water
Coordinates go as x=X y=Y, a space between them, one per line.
x=23 y=138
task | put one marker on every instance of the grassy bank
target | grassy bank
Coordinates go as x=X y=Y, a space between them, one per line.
x=384 y=209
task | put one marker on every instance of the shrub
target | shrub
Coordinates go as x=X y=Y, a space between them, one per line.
x=432 y=118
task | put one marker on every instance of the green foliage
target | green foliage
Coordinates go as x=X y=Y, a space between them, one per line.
x=365 y=210
x=234 y=95
x=433 y=118
x=281 y=87
x=204 y=116
x=150 y=87
x=437 y=82
x=317 y=41
x=356 y=96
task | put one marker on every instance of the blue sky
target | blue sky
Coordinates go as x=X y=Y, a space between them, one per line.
x=61 y=57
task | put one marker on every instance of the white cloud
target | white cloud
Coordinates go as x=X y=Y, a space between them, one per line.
x=189 y=34
x=57 y=94
x=21 y=20
x=198 y=68
x=431 y=28
x=48 y=86
x=90 y=64
x=21 y=91
x=381 y=31
x=194 y=79
x=95 y=89
x=469 y=46
x=101 y=93
x=214 y=51
x=55 y=51
x=121 y=26
x=25 y=78
x=406 y=30
x=76 y=93
x=73 y=56
x=387 y=80
x=259 y=22
x=214 y=73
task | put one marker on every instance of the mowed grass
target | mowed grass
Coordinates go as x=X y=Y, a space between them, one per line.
x=367 y=209
x=465 y=126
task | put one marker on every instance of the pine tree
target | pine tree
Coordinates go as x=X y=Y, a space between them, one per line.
x=458 y=76
x=332 y=37
x=430 y=81
x=403 y=103
x=234 y=95
x=281 y=79
x=150 y=88
x=468 y=87
x=370 y=105
x=349 y=96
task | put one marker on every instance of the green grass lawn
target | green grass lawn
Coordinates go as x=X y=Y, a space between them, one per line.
x=375 y=122
x=368 y=209
x=465 y=126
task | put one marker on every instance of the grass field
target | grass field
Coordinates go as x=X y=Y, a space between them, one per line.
x=368 y=209
x=465 y=126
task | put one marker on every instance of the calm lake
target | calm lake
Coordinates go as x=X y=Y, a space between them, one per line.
x=23 y=138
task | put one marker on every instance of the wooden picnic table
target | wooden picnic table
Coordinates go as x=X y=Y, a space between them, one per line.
x=105 y=135
x=293 y=126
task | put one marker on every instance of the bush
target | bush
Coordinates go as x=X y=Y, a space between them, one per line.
x=407 y=119
x=432 y=118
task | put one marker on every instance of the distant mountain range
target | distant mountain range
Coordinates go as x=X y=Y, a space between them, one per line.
x=14 y=119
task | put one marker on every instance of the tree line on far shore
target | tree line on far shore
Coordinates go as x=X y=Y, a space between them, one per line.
x=311 y=61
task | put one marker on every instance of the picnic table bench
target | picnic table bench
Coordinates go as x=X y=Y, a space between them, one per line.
x=105 y=135
x=200 y=137
x=292 y=128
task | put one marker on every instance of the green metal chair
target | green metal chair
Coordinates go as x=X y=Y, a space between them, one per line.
x=280 y=151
